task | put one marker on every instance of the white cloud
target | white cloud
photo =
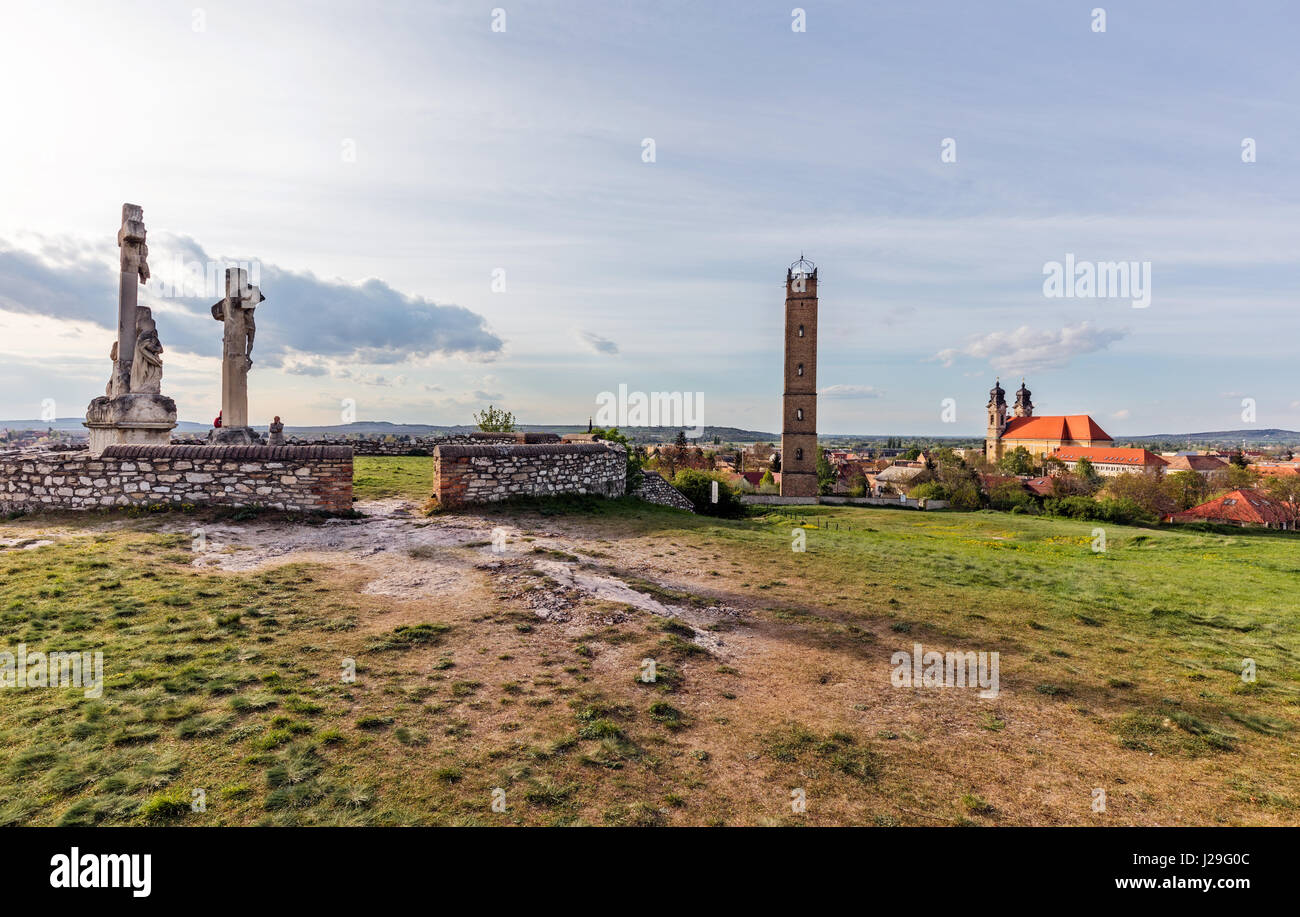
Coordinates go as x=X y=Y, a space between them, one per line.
x=595 y=343
x=1026 y=350
x=850 y=391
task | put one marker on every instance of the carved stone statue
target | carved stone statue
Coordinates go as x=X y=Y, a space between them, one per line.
x=235 y=312
x=132 y=409
x=146 y=368
x=277 y=432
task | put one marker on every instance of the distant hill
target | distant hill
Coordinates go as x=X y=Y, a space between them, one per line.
x=383 y=427
x=1270 y=436
x=1263 y=437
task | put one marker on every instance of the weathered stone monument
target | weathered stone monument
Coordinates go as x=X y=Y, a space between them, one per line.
x=132 y=409
x=277 y=433
x=235 y=312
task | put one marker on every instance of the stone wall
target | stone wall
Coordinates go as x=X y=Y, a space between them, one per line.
x=296 y=478
x=486 y=474
x=400 y=444
x=654 y=489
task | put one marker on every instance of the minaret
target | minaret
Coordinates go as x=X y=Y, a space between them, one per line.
x=1024 y=407
x=997 y=407
x=799 y=402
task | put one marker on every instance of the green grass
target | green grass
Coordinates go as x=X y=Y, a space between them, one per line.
x=230 y=683
x=377 y=477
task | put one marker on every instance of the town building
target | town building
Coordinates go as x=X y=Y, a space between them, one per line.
x=1242 y=507
x=1039 y=436
x=1209 y=467
x=1111 y=461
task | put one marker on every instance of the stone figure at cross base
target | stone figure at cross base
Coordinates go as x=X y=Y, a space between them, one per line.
x=132 y=409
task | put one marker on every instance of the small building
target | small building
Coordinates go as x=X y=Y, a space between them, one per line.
x=1207 y=466
x=1242 y=507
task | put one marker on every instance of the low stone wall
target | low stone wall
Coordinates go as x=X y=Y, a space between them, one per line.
x=466 y=475
x=654 y=489
x=775 y=500
x=402 y=444
x=295 y=478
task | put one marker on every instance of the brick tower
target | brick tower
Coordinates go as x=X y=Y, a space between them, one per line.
x=799 y=401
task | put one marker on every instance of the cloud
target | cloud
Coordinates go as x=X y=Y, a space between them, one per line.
x=305 y=322
x=1025 y=350
x=595 y=343
x=850 y=391
x=1122 y=414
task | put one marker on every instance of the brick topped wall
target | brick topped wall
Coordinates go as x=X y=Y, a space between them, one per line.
x=485 y=474
x=295 y=478
x=401 y=444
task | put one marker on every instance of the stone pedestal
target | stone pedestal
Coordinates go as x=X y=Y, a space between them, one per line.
x=235 y=436
x=135 y=418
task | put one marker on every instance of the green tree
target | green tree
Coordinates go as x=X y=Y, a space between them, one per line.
x=494 y=420
x=698 y=488
x=1016 y=462
x=1187 y=488
x=825 y=473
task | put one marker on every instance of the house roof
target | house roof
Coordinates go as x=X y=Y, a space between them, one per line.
x=1196 y=463
x=1064 y=426
x=899 y=473
x=1107 y=455
x=1281 y=469
x=1043 y=487
x=1240 y=506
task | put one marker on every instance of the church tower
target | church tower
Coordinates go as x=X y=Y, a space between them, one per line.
x=997 y=407
x=799 y=400
x=1024 y=407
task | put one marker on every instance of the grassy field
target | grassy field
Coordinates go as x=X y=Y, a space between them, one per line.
x=382 y=477
x=1120 y=671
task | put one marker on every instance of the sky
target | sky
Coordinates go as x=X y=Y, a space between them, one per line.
x=449 y=207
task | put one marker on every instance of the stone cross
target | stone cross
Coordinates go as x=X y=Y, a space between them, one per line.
x=134 y=271
x=236 y=313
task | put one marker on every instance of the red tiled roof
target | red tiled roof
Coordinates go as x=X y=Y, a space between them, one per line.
x=1196 y=463
x=1240 y=506
x=1043 y=487
x=1104 y=455
x=1068 y=426
x=1278 y=470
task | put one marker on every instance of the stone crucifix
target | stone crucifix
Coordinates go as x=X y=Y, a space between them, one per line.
x=134 y=271
x=236 y=313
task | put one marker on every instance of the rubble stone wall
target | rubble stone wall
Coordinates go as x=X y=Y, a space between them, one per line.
x=655 y=489
x=294 y=478
x=465 y=475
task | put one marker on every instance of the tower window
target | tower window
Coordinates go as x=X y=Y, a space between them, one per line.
x=799 y=371
x=798 y=455
x=801 y=331
x=798 y=414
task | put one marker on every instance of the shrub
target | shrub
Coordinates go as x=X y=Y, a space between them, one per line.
x=698 y=488
x=930 y=490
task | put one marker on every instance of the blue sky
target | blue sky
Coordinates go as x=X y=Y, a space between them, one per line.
x=521 y=151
